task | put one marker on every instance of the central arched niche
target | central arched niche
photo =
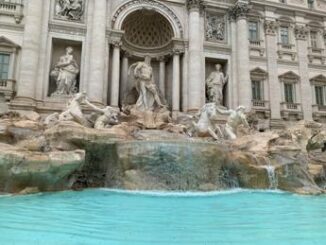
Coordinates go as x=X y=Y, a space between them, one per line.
x=147 y=29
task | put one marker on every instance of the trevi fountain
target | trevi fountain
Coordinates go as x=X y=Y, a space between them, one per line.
x=139 y=170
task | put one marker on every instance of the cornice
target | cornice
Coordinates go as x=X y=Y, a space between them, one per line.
x=67 y=29
x=12 y=27
x=292 y=8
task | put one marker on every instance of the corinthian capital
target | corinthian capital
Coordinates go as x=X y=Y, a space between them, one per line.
x=270 y=27
x=301 y=32
x=239 y=10
x=195 y=4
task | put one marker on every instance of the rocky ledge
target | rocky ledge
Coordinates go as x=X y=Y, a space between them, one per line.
x=70 y=156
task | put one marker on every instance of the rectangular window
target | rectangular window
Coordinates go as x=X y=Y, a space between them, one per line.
x=310 y=4
x=256 y=90
x=313 y=39
x=4 y=66
x=284 y=32
x=289 y=93
x=320 y=99
x=253 y=31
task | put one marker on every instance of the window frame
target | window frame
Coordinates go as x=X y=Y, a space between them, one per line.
x=12 y=49
x=290 y=78
x=320 y=101
x=258 y=75
x=314 y=43
x=7 y=72
x=292 y=98
x=257 y=23
x=319 y=81
x=288 y=35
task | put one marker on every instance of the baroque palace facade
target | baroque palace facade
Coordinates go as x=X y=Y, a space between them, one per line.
x=271 y=51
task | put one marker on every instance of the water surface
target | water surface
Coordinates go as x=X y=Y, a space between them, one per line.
x=111 y=217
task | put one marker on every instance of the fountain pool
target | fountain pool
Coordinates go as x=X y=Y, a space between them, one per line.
x=112 y=217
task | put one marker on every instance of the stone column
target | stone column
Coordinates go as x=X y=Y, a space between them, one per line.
x=98 y=49
x=233 y=82
x=301 y=34
x=30 y=53
x=195 y=69
x=115 y=80
x=162 y=75
x=185 y=81
x=43 y=76
x=124 y=75
x=239 y=14
x=176 y=82
x=274 y=86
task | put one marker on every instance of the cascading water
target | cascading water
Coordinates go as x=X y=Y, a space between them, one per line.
x=273 y=181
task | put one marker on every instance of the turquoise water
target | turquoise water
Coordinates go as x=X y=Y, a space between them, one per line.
x=112 y=217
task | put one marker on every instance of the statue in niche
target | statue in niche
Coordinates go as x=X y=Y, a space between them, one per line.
x=215 y=84
x=65 y=73
x=145 y=86
x=215 y=28
x=70 y=9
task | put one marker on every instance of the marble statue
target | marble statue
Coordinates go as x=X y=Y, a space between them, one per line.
x=206 y=125
x=107 y=118
x=145 y=85
x=74 y=111
x=70 y=9
x=65 y=73
x=215 y=84
x=236 y=118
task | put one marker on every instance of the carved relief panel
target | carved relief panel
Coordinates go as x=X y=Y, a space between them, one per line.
x=215 y=27
x=70 y=10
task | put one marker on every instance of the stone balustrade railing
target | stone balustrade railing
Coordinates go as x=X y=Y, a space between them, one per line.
x=286 y=46
x=256 y=43
x=12 y=8
x=319 y=108
x=8 y=88
x=291 y=106
x=260 y=103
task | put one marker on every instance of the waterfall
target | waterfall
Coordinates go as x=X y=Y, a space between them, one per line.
x=273 y=181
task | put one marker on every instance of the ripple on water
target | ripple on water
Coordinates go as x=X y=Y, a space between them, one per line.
x=105 y=216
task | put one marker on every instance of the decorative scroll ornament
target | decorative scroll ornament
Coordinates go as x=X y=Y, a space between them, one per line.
x=239 y=10
x=301 y=32
x=72 y=10
x=270 y=27
x=215 y=27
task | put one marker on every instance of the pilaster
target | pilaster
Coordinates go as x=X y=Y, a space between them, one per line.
x=30 y=55
x=239 y=13
x=274 y=85
x=98 y=49
x=301 y=34
x=195 y=54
